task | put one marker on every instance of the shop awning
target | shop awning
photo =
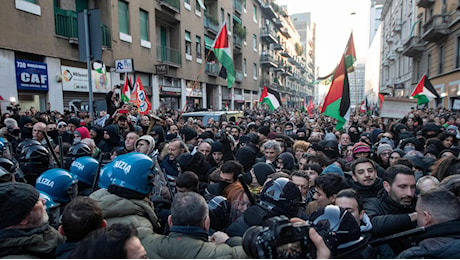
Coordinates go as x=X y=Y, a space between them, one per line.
x=238 y=20
x=208 y=42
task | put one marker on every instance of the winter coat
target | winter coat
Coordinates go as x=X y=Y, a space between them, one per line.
x=389 y=217
x=190 y=242
x=33 y=243
x=107 y=146
x=116 y=209
x=366 y=192
x=440 y=241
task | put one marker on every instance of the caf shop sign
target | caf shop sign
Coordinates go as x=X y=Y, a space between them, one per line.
x=31 y=75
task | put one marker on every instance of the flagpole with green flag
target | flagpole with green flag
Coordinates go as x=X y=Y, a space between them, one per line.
x=223 y=53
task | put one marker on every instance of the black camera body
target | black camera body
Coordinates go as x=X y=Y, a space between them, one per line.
x=13 y=108
x=279 y=238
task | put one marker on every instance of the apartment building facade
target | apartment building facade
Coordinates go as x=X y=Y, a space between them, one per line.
x=164 y=43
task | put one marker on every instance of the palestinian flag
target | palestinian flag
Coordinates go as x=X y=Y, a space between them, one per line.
x=381 y=98
x=350 y=54
x=424 y=91
x=271 y=98
x=337 y=101
x=304 y=104
x=128 y=94
x=223 y=53
x=310 y=107
x=364 y=107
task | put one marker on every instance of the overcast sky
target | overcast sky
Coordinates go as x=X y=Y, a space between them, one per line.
x=334 y=23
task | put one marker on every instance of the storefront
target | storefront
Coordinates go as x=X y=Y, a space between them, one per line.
x=194 y=94
x=76 y=88
x=32 y=84
x=170 y=92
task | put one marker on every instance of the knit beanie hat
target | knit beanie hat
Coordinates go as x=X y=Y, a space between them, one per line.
x=16 y=201
x=262 y=170
x=184 y=160
x=383 y=147
x=361 y=147
x=333 y=168
x=74 y=121
x=217 y=147
x=264 y=130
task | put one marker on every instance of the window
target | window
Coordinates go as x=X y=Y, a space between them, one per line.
x=255 y=71
x=222 y=15
x=198 y=47
x=29 y=6
x=229 y=24
x=188 y=46
x=428 y=64
x=144 y=25
x=254 y=42
x=441 y=59
x=123 y=17
x=187 y=5
x=254 y=13
x=457 y=57
x=245 y=70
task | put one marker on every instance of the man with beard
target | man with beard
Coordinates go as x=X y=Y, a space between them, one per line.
x=364 y=178
x=24 y=229
x=393 y=210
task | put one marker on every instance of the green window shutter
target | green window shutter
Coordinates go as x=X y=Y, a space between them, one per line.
x=208 y=42
x=144 y=25
x=238 y=20
x=123 y=18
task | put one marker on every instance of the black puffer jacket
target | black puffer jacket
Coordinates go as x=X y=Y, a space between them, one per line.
x=387 y=216
x=440 y=241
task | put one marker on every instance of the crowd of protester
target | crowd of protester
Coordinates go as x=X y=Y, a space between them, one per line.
x=125 y=185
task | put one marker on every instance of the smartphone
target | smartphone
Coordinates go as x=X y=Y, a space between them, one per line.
x=123 y=111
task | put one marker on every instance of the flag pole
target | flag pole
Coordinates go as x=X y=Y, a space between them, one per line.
x=196 y=80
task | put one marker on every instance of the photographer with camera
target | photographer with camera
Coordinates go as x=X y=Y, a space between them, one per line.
x=330 y=232
x=278 y=197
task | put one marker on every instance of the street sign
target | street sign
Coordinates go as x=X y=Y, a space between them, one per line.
x=124 y=65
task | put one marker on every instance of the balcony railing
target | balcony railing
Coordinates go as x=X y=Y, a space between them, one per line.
x=436 y=28
x=212 y=68
x=169 y=55
x=66 y=24
x=268 y=60
x=237 y=41
x=210 y=25
x=238 y=6
x=268 y=35
x=238 y=76
x=173 y=5
x=268 y=9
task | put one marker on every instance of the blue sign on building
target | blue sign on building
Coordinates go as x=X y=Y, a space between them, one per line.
x=31 y=75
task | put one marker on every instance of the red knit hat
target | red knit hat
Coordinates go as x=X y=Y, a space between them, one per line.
x=361 y=147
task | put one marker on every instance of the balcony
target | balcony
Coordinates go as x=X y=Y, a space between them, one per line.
x=237 y=42
x=238 y=6
x=267 y=60
x=292 y=61
x=287 y=71
x=285 y=53
x=212 y=69
x=285 y=32
x=67 y=25
x=397 y=27
x=268 y=10
x=277 y=47
x=268 y=35
x=238 y=75
x=169 y=56
x=436 y=28
x=414 y=46
x=172 y=5
x=425 y=3
x=210 y=25
x=279 y=68
x=278 y=23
